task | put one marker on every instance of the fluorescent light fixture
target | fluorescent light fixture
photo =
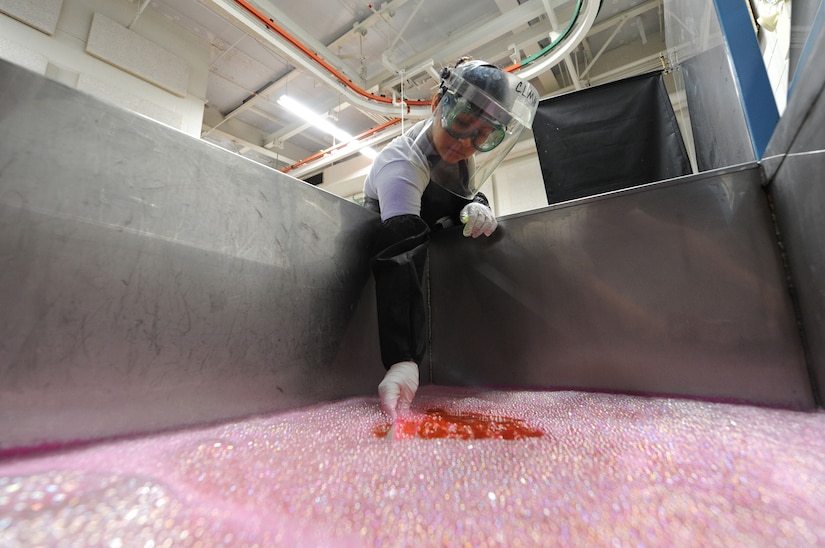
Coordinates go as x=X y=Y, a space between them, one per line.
x=321 y=123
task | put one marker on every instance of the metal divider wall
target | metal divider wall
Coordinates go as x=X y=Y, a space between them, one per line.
x=675 y=287
x=150 y=280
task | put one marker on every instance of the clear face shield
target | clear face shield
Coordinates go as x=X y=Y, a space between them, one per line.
x=473 y=129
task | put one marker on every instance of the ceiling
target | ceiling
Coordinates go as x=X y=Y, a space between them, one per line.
x=352 y=61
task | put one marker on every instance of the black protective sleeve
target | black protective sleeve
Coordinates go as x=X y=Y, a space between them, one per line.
x=399 y=257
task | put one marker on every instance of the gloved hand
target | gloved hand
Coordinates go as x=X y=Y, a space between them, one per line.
x=478 y=219
x=397 y=390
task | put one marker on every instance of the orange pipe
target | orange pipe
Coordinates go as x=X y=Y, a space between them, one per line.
x=317 y=155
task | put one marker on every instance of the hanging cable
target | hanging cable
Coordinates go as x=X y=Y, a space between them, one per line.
x=402 y=102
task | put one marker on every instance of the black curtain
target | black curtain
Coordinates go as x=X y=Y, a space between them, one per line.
x=608 y=137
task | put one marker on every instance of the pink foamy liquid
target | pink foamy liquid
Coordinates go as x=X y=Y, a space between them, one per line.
x=608 y=470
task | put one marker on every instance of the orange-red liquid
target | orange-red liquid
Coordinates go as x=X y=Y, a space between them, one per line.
x=441 y=424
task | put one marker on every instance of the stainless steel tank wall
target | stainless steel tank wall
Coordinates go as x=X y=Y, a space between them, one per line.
x=794 y=164
x=676 y=287
x=150 y=280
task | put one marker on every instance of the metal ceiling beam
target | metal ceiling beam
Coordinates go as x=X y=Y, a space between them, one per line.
x=243 y=144
x=618 y=22
x=290 y=130
x=568 y=61
x=246 y=105
x=604 y=46
x=399 y=34
x=616 y=19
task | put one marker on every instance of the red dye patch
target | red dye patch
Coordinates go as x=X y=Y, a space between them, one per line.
x=441 y=424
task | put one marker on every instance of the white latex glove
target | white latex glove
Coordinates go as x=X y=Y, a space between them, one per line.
x=478 y=219
x=397 y=390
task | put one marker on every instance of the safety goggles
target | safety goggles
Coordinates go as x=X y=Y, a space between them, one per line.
x=461 y=119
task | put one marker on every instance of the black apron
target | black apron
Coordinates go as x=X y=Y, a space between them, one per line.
x=399 y=258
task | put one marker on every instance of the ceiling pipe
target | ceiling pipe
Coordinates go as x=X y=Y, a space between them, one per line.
x=318 y=67
x=320 y=164
x=586 y=11
x=278 y=157
x=339 y=146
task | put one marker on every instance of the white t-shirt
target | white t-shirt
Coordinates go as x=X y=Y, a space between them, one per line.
x=399 y=175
